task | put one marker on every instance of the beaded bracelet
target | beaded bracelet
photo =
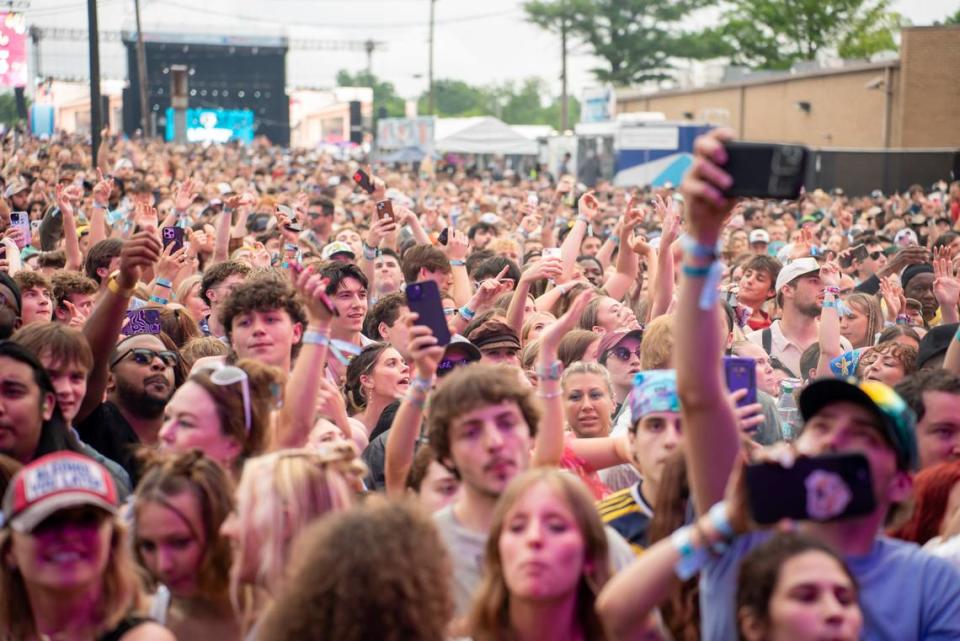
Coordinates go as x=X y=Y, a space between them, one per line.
x=549 y=395
x=830 y=289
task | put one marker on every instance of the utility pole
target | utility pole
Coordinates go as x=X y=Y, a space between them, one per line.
x=369 y=46
x=564 y=116
x=142 y=74
x=430 y=100
x=95 y=116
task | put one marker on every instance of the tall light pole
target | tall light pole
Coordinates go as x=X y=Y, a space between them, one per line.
x=94 y=41
x=564 y=115
x=142 y=73
x=430 y=101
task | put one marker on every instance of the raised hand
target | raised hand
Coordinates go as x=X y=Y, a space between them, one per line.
x=588 y=206
x=313 y=287
x=892 y=294
x=830 y=274
x=425 y=354
x=380 y=229
x=549 y=268
x=141 y=251
x=703 y=187
x=170 y=262
x=457 y=245
x=946 y=285
x=102 y=190
x=552 y=334
x=185 y=194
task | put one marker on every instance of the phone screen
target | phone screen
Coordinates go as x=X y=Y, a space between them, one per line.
x=142 y=321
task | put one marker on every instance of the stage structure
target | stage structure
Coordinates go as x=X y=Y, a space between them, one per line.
x=235 y=86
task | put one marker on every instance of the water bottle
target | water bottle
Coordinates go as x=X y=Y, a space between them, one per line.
x=787 y=408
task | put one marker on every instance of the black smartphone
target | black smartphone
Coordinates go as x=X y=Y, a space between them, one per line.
x=766 y=170
x=385 y=210
x=858 y=252
x=741 y=373
x=444 y=236
x=172 y=236
x=829 y=487
x=142 y=321
x=361 y=178
x=424 y=299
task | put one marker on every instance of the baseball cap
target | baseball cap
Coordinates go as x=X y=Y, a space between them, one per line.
x=15 y=187
x=654 y=390
x=897 y=420
x=55 y=482
x=336 y=247
x=461 y=344
x=796 y=269
x=759 y=236
x=612 y=339
x=935 y=342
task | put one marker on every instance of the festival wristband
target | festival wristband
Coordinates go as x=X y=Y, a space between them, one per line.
x=719 y=516
x=312 y=337
x=163 y=282
x=831 y=290
x=698 y=250
x=456 y=262
x=422 y=385
x=158 y=300
x=695 y=272
x=467 y=313
x=903 y=319
x=692 y=558
x=829 y=304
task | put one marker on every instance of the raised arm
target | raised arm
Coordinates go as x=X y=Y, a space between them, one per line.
x=405 y=429
x=101 y=203
x=102 y=328
x=829 y=330
x=628 y=267
x=708 y=418
x=457 y=244
x=543 y=268
x=68 y=198
x=663 y=284
x=300 y=395
x=548 y=446
x=946 y=287
x=587 y=209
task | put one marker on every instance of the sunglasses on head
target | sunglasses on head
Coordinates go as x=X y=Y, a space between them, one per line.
x=623 y=354
x=228 y=375
x=145 y=356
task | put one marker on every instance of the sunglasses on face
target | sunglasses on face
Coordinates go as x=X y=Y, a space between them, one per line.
x=145 y=356
x=623 y=354
x=875 y=255
x=319 y=214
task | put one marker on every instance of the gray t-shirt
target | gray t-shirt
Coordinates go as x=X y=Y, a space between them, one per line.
x=466 y=548
x=906 y=594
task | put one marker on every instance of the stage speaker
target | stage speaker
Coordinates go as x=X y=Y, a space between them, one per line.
x=21 y=103
x=356 y=123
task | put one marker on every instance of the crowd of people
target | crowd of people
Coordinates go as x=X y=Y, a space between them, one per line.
x=221 y=419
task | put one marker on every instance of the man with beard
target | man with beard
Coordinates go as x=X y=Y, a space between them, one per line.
x=138 y=373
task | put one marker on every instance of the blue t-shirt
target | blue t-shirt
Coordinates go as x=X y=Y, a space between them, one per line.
x=906 y=594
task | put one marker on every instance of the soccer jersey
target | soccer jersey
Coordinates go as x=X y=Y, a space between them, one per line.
x=627 y=513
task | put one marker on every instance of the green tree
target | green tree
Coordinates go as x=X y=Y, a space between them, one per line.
x=455 y=98
x=384 y=95
x=954 y=19
x=637 y=39
x=8 y=109
x=772 y=34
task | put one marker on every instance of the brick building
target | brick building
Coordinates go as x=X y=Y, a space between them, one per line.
x=913 y=102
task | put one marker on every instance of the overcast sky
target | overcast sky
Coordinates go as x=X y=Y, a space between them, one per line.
x=479 y=42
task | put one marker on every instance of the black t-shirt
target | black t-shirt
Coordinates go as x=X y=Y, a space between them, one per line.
x=106 y=431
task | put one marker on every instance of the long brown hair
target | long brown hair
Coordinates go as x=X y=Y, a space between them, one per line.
x=169 y=475
x=489 y=618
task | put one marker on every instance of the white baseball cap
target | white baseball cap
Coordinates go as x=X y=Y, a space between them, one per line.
x=759 y=236
x=795 y=269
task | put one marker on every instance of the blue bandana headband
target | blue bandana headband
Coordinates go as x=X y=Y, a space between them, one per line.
x=654 y=391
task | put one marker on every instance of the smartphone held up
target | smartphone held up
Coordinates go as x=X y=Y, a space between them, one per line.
x=766 y=170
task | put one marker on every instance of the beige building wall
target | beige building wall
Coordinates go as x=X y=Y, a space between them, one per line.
x=930 y=68
x=913 y=102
